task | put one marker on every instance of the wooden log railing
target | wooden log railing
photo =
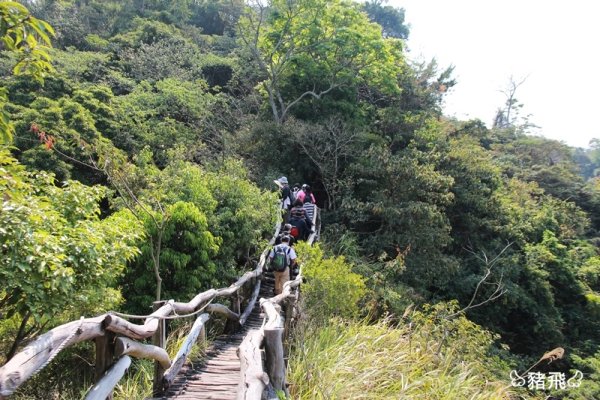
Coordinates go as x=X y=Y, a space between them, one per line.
x=40 y=352
x=113 y=356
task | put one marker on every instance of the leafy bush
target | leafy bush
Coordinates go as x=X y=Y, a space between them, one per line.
x=331 y=287
x=57 y=254
x=208 y=223
x=186 y=265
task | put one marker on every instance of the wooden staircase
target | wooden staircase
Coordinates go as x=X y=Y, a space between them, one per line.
x=217 y=375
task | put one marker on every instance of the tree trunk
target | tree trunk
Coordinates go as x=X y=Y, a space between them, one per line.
x=19 y=338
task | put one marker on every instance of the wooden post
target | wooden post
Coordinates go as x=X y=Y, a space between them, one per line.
x=158 y=339
x=275 y=361
x=287 y=313
x=231 y=326
x=105 y=352
x=253 y=379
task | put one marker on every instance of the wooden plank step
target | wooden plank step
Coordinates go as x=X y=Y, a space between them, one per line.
x=211 y=382
x=211 y=388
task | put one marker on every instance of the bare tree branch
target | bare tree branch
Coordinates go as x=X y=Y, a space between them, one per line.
x=499 y=287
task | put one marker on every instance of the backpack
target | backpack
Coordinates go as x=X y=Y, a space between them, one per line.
x=279 y=262
x=288 y=200
x=299 y=228
x=294 y=195
x=295 y=232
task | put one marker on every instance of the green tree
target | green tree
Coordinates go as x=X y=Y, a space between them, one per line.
x=28 y=38
x=186 y=265
x=390 y=18
x=57 y=254
x=310 y=48
x=398 y=206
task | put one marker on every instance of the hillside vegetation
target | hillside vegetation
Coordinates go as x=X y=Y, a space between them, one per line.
x=137 y=161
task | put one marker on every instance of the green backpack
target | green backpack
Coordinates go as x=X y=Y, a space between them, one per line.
x=280 y=260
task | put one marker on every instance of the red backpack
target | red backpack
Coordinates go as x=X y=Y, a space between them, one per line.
x=295 y=232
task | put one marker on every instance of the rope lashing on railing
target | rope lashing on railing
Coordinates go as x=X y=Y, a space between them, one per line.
x=176 y=316
x=59 y=348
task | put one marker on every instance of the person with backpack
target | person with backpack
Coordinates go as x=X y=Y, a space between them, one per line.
x=286 y=196
x=306 y=194
x=281 y=258
x=300 y=221
x=287 y=231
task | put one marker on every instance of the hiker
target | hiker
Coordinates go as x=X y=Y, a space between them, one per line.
x=299 y=220
x=287 y=229
x=285 y=195
x=295 y=190
x=281 y=258
x=306 y=193
x=309 y=208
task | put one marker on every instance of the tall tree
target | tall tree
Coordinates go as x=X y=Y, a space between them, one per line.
x=309 y=48
x=509 y=116
x=390 y=18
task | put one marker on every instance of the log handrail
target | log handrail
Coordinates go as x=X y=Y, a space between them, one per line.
x=184 y=351
x=124 y=346
x=36 y=355
x=102 y=389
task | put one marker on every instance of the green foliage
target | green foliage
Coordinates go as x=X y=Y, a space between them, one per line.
x=208 y=224
x=185 y=265
x=68 y=126
x=397 y=206
x=28 y=38
x=57 y=254
x=590 y=385
x=590 y=273
x=331 y=288
x=163 y=115
x=310 y=48
x=390 y=18
x=216 y=17
x=547 y=162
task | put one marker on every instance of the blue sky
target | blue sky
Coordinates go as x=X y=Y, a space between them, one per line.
x=553 y=44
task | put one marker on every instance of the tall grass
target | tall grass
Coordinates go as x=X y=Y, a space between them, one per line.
x=356 y=360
